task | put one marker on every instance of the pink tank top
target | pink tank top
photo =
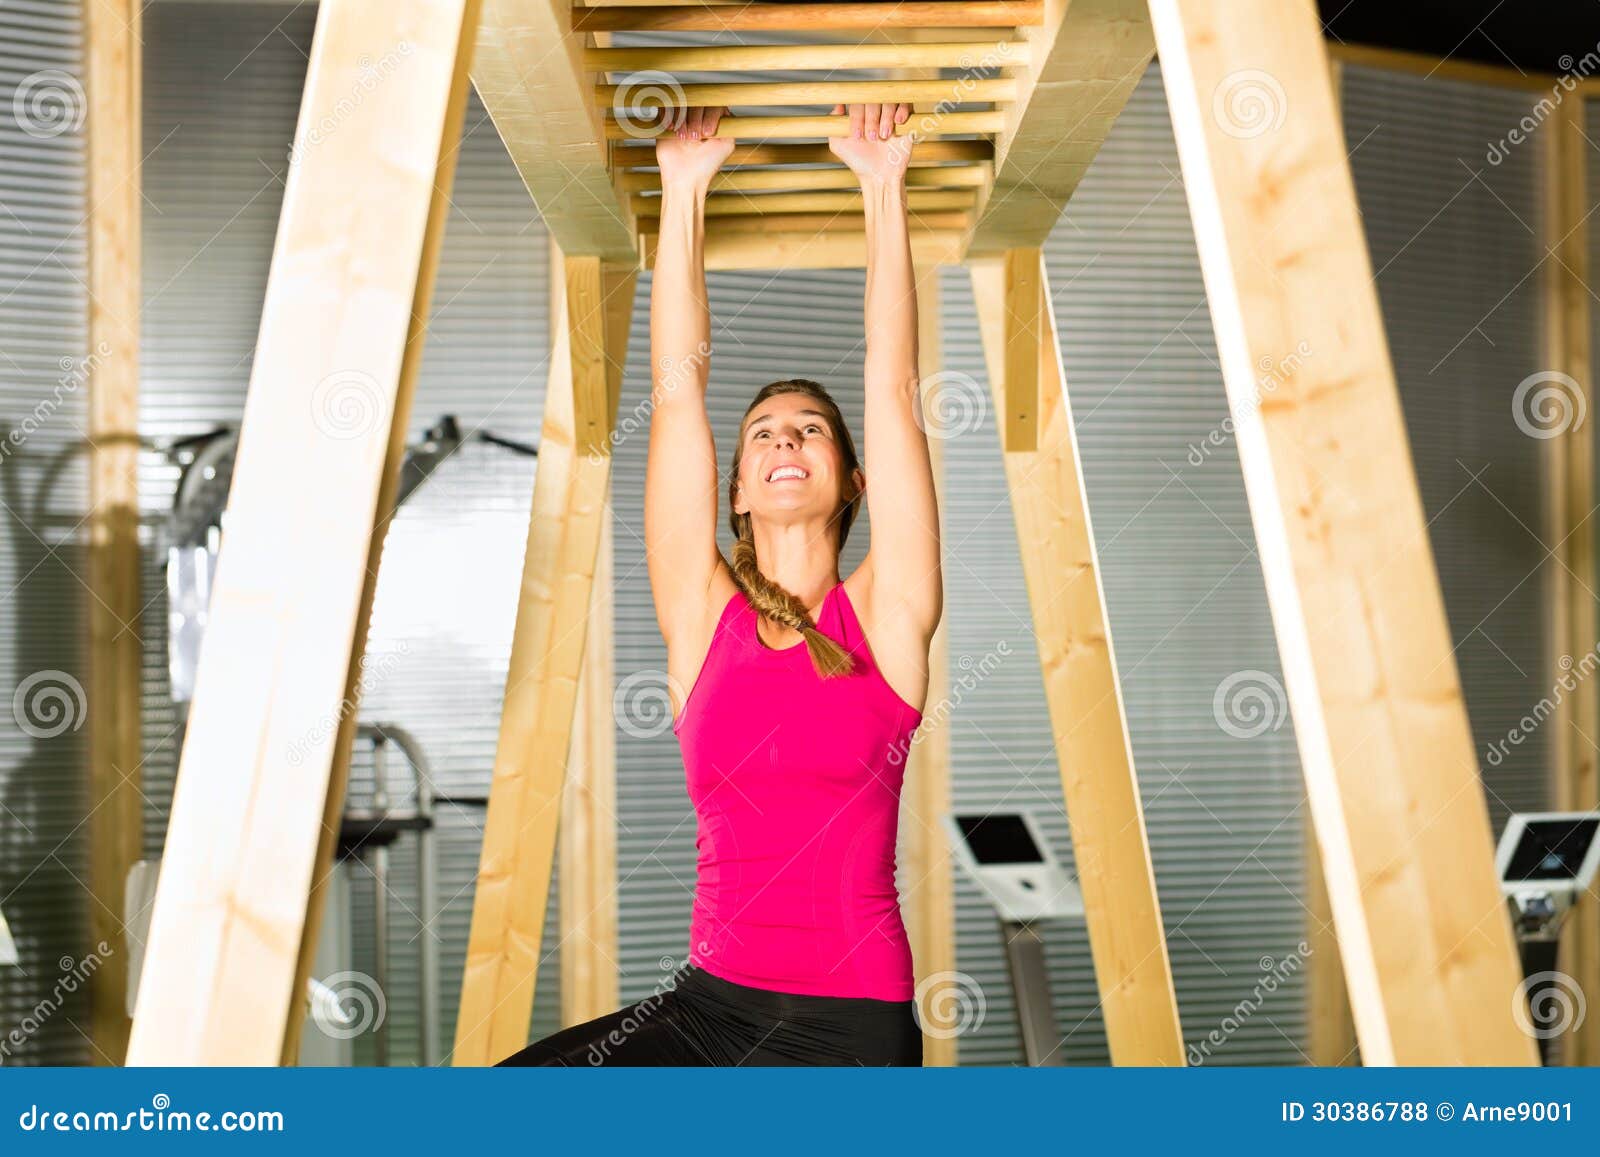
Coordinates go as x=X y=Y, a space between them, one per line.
x=795 y=781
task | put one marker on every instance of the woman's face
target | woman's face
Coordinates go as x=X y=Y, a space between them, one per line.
x=791 y=464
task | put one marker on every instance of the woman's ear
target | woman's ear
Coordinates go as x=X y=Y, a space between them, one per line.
x=859 y=477
x=739 y=506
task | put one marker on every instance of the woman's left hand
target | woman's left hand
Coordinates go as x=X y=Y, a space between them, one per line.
x=873 y=149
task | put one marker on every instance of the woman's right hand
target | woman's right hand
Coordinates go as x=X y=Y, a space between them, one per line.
x=688 y=148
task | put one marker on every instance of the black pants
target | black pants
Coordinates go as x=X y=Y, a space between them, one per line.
x=706 y=1020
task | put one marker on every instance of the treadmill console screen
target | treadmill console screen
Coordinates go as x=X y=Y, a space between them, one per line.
x=1552 y=849
x=999 y=839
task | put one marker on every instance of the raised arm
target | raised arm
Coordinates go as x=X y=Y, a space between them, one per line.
x=680 y=494
x=903 y=561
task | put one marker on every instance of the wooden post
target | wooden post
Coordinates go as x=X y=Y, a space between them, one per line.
x=262 y=776
x=1389 y=762
x=1098 y=781
x=1330 y=1031
x=1570 y=503
x=537 y=719
x=1018 y=418
x=116 y=816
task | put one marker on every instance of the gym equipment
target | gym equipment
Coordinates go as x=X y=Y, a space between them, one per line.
x=1007 y=856
x=1545 y=862
x=365 y=833
x=194 y=527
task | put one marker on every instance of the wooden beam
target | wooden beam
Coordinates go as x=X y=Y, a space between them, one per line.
x=261 y=780
x=815 y=222
x=1018 y=416
x=801 y=92
x=529 y=73
x=1088 y=57
x=774 y=128
x=1330 y=1031
x=875 y=14
x=738 y=205
x=1390 y=768
x=537 y=718
x=838 y=177
x=588 y=829
x=1099 y=784
x=795 y=57
x=1570 y=500
x=926 y=153
x=811 y=250
x=111 y=370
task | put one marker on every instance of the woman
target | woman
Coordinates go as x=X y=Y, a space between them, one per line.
x=803 y=690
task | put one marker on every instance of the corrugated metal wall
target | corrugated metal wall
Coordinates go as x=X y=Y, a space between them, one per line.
x=1456 y=246
x=44 y=489
x=222 y=89
x=1182 y=581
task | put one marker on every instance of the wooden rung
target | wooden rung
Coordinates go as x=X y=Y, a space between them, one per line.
x=925 y=153
x=811 y=250
x=769 y=180
x=815 y=222
x=737 y=204
x=770 y=128
x=768 y=17
x=966 y=54
x=770 y=92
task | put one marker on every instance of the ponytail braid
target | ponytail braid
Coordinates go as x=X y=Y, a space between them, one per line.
x=771 y=600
